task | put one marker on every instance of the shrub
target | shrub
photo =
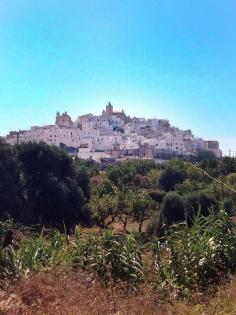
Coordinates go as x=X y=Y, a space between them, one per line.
x=199 y=201
x=172 y=209
x=229 y=206
x=154 y=226
x=170 y=177
x=141 y=181
x=157 y=195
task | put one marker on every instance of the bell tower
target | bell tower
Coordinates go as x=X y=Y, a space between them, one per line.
x=109 y=108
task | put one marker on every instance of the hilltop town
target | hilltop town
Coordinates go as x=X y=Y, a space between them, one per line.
x=116 y=136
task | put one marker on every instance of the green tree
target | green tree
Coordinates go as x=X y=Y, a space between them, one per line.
x=157 y=195
x=55 y=192
x=229 y=206
x=92 y=168
x=11 y=198
x=104 y=210
x=116 y=175
x=199 y=201
x=231 y=180
x=141 y=181
x=142 y=206
x=228 y=165
x=205 y=155
x=172 y=209
x=170 y=177
x=153 y=176
x=189 y=186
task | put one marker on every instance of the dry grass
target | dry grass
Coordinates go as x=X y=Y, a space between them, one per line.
x=61 y=292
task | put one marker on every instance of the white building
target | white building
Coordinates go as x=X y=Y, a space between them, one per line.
x=95 y=137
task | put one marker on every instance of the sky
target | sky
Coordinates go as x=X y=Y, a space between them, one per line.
x=173 y=59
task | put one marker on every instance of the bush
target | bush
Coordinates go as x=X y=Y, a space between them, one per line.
x=154 y=225
x=141 y=181
x=157 y=195
x=172 y=209
x=229 y=206
x=199 y=201
x=170 y=177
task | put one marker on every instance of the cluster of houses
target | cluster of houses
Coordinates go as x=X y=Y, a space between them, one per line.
x=114 y=135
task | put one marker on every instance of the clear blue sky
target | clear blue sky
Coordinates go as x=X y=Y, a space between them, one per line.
x=170 y=59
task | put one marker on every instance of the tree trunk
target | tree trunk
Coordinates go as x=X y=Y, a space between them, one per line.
x=140 y=226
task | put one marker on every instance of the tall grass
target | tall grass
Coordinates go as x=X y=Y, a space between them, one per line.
x=191 y=259
x=111 y=257
x=186 y=260
x=41 y=252
x=7 y=265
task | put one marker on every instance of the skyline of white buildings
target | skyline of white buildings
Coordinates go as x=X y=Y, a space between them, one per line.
x=115 y=135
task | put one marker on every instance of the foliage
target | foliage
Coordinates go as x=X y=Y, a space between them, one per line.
x=191 y=259
x=55 y=191
x=229 y=206
x=199 y=201
x=157 y=195
x=154 y=226
x=41 y=252
x=42 y=184
x=142 y=206
x=6 y=264
x=211 y=166
x=170 y=177
x=205 y=155
x=194 y=174
x=172 y=209
x=228 y=165
x=231 y=179
x=124 y=173
x=153 y=176
x=104 y=209
x=91 y=167
x=110 y=256
x=10 y=196
x=186 y=259
x=103 y=187
x=141 y=181
x=189 y=186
